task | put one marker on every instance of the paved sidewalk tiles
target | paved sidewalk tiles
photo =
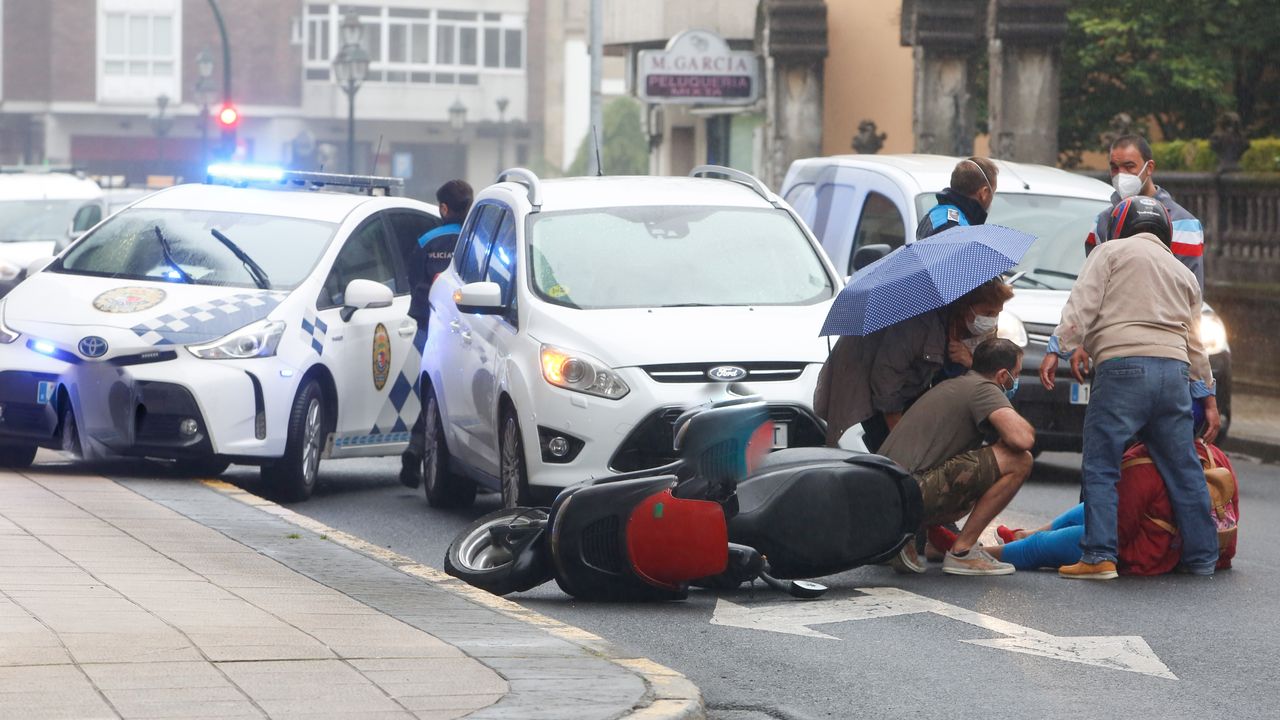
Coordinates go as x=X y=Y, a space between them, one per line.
x=165 y=598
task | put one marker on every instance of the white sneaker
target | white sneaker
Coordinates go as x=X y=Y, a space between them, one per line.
x=975 y=562
x=907 y=561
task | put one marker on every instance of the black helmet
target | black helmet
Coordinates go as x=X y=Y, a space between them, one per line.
x=1140 y=214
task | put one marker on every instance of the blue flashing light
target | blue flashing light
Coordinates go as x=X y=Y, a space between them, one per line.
x=246 y=173
x=43 y=346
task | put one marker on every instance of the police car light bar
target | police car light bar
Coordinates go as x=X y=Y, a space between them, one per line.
x=242 y=175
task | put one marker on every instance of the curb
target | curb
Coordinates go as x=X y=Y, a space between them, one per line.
x=671 y=695
x=1263 y=450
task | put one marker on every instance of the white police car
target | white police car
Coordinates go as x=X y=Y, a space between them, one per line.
x=580 y=316
x=260 y=322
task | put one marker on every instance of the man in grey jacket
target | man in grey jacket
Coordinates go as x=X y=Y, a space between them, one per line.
x=1135 y=312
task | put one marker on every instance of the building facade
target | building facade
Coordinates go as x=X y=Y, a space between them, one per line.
x=114 y=86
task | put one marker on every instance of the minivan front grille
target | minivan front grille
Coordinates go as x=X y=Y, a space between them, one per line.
x=699 y=372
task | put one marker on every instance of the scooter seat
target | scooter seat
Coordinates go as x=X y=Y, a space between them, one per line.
x=819 y=511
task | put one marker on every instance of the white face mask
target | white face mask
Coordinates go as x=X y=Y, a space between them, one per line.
x=1127 y=185
x=983 y=324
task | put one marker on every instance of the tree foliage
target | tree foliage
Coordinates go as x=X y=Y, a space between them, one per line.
x=624 y=149
x=1179 y=64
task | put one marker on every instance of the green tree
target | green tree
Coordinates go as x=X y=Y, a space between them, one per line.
x=624 y=149
x=1179 y=64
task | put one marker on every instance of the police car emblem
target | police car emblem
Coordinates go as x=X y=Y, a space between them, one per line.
x=92 y=346
x=381 y=356
x=128 y=299
x=726 y=373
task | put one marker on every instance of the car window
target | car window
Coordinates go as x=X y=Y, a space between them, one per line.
x=800 y=197
x=367 y=255
x=1060 y=225
x=879 y=223
x=128 y=245
x=664 y=256
x=23 y=220
x=473 y=254
x=502 y=259
x=86 y=217
x=408 y=226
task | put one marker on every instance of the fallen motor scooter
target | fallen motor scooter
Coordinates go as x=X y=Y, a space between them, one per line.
x=804 y=512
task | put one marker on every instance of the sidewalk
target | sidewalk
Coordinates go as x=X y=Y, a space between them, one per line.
x=175 y=599
x=1255 y=426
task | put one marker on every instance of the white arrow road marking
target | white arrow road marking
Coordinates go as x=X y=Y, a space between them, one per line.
x=1120 y=652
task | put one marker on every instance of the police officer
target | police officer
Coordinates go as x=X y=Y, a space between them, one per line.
x=1132 y=173
x=434 y=253
x=966 y=202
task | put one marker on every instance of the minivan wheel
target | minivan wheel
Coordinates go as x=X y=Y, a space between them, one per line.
x=514 y=472
x=444 y=488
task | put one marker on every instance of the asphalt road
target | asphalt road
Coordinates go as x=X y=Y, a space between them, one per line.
x=1217 y=637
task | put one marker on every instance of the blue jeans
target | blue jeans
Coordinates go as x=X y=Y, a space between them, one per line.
x=1057 y=546
x=1149 y=398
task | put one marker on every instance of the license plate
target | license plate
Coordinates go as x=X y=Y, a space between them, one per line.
x=1079 y=393
x=779 y=435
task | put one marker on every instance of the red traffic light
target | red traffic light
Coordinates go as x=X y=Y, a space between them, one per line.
x=228 y=117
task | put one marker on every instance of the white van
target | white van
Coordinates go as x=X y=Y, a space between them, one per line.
x=41 y=212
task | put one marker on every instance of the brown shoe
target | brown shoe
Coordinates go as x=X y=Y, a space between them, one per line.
x=1105 y=570
x=907 y=562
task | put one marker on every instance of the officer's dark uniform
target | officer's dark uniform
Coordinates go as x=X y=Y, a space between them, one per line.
x=952 y=209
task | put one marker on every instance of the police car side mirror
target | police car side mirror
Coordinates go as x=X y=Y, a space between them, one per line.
x=868 y=254
x=364 y=294
x=479 y=298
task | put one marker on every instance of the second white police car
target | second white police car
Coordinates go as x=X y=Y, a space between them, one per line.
x=261 y=322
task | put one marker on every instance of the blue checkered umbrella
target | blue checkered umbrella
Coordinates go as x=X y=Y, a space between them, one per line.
x=923 y=276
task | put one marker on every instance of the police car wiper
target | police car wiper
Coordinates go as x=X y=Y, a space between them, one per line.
x=259 y=275
x=167 y=251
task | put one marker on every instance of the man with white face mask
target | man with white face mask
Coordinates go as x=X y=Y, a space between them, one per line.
x=1132 y=173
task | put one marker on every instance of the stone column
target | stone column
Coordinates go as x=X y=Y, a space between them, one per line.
x=791 y=36
x=1024 y=39
x=944 y=35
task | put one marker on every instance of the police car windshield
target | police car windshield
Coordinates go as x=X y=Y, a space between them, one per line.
x=27 y=220
x=664 y=256
x=126 y=246
x=1060 y=225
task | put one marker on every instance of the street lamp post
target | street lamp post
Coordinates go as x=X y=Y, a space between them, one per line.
x=458 y=121
x=204 y=93
x=161 y=124
x=350 y=67
x=502 y=134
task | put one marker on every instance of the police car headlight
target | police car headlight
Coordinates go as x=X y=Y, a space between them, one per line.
x=9 y=271
x=6 y=334
x=251 y=341
x=1213 y=333
x=1011 y=328
x=581 y=373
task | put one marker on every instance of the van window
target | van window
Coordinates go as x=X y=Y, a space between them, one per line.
x=880 y=223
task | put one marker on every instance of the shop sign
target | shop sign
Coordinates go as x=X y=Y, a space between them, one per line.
x=697 y=66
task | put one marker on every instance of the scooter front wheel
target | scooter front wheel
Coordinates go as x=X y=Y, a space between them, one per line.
x=502 y=552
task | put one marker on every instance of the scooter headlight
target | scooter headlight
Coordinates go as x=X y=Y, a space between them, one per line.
x=1011 y=328
x=9 y=271
x=251 y=341
x=581 y=373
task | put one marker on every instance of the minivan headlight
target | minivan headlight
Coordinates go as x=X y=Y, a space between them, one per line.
x=582 y=373
x=1011 y=328
x=9 y=271
x=1213 y=333
x=251 y=341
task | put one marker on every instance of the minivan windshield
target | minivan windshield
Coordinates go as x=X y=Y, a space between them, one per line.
x=27 y=220
x=665 y=256
x=201 y=247
x=1060 y=225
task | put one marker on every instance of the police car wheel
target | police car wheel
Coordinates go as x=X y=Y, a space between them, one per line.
x=513 y=473
x=71 y=432
x=293 y=476
x=444 y=488
x=17 y=456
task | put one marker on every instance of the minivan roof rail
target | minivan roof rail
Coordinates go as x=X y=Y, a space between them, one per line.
x=527 y=178
x=737 y=176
